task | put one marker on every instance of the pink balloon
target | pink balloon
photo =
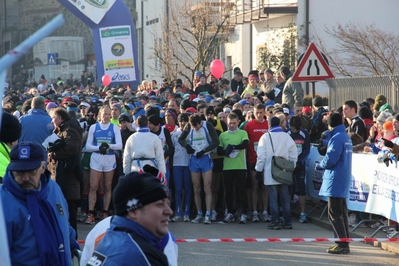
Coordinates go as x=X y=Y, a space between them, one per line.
x=217 y=68
x=106 y=80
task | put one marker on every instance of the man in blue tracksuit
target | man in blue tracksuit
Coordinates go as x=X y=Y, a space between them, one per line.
x=302 y=143
x=142 y=214
x=35 y=210
x=336 y=180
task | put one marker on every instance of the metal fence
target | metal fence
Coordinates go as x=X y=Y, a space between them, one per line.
x=360 y=88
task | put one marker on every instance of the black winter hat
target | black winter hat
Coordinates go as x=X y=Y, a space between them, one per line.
x=185 y=104
x=334 y=119
x=154 y=119
x=317 y=101
x=136 y=190
x=10 y=128
x=274 y=121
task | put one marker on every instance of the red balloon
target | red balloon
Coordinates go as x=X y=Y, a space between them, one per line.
x=106 y=80
x=217 y=68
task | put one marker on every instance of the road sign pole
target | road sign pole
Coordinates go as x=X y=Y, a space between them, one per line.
x=313 y=89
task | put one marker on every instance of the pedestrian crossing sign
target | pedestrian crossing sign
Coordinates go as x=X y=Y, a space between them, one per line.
x=51 y=59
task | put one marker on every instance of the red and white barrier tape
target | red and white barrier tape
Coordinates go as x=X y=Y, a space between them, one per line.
x=320 y=239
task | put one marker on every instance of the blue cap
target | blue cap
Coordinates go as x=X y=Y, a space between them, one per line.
x=141 y=112
x=243 y=102
x=208 y=99
x=26 y=155
x=199 y=73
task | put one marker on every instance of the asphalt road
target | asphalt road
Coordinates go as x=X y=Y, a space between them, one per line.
x=265 y=253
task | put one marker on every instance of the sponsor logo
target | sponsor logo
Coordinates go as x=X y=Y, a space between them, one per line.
x=118 y=64
x=121 y=77
x=24 y=152
x=98 y=3
x=118 y=49
x=115 y=32
x=97 y=259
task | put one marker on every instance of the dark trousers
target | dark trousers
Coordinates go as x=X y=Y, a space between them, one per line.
x=73 y=214
x=338 y=216
x=235 y=182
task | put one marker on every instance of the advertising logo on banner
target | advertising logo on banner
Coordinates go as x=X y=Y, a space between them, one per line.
x=361 y=179
x=116 y=43
x=93 y=9
x=314 y=176
x=384 y=194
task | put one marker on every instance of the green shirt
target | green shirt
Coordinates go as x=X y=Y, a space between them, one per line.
x=4 y=158
x=236 y=159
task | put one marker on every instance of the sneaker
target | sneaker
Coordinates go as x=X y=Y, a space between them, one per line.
x=214 y=216
x=249 y=216
x=90 y=219
x=186 y=218
x=275 y=226
x=338 y=250
x=243 y=219
x=377 y=224
x=229 y=218
x=177 y=218
x=352 y=218
x=207 y=219
x=266 y=217
x=303 y=219
x=287 y=226
x=198 y=219
x=82 y=217
x=103 y=215
x=393 y=234
x=255 y=217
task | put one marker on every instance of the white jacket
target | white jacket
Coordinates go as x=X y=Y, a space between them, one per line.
x=283 y=145
x=143 y=145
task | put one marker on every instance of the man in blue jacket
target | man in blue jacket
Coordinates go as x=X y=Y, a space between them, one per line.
x=336 y=180
x=142 y=213
x=35 y=211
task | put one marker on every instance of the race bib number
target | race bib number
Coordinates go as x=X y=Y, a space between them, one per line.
x=299 y=148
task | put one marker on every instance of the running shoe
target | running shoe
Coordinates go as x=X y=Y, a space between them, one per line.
x=103 y=215
x=275 y=226
x=198 y=219
x=303 y=219
x=393 y=234
x=90 y=219
x=266 y=217
x=249 y=216
x=287 y=226
x=186 y=218
x=338 y=250
x=243 y=219
x=228 y=218
x=207 y=219
x=214 y=216
x=255 y=217
x=82 y=217
x=177 y=218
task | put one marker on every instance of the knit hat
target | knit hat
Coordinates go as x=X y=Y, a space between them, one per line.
x=191 y=110
x=10 y=128
x=389 y=126
x=334 y=119
x=274 y=121
x=26 y=155
x=386 y=107
x=138 y=113
x=118 y=106
x=380 y=100
x=135 y=190
x=172 y=112
x=183 y=117
x=51 y=105
x=123 y=118
x=154 y=119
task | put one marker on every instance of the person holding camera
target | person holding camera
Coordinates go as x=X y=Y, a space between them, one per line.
x=103 y=140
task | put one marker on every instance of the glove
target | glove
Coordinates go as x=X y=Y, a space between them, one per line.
x=228 y=150
x=387 y=160
x=199 y=154
x=53 y=146
x=189 y=149
x=103 y=148
x=259 y=176
x=388 y=143
x=322 y=149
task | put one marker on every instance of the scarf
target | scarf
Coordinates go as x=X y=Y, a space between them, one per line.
x=276 y=129
x=233 y=131
x=44 y=222
x=143 y=129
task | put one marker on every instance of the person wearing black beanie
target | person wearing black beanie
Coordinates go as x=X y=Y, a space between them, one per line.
x=334 y=119
x=9 y=135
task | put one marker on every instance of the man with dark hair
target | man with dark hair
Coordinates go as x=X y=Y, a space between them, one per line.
x=302 y=142
x=318 y=126
x=203 y=86
x=356 y=124
x=337 y=180
x=142 y=212
x=236 y=83
x=201 y=140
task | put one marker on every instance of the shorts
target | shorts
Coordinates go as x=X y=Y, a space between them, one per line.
x=218 y=165
x=86 y=161
x=102 y=163
x=201 y=165
x=299 y=180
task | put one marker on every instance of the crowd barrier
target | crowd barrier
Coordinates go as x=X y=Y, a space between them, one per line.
x=374 y=187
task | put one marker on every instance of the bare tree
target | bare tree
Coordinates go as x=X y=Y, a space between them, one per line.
x=193 y=32
x=280 y=49
x=361 y=50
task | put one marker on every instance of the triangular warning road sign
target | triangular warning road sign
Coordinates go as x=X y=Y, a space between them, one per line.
x=312 y=67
